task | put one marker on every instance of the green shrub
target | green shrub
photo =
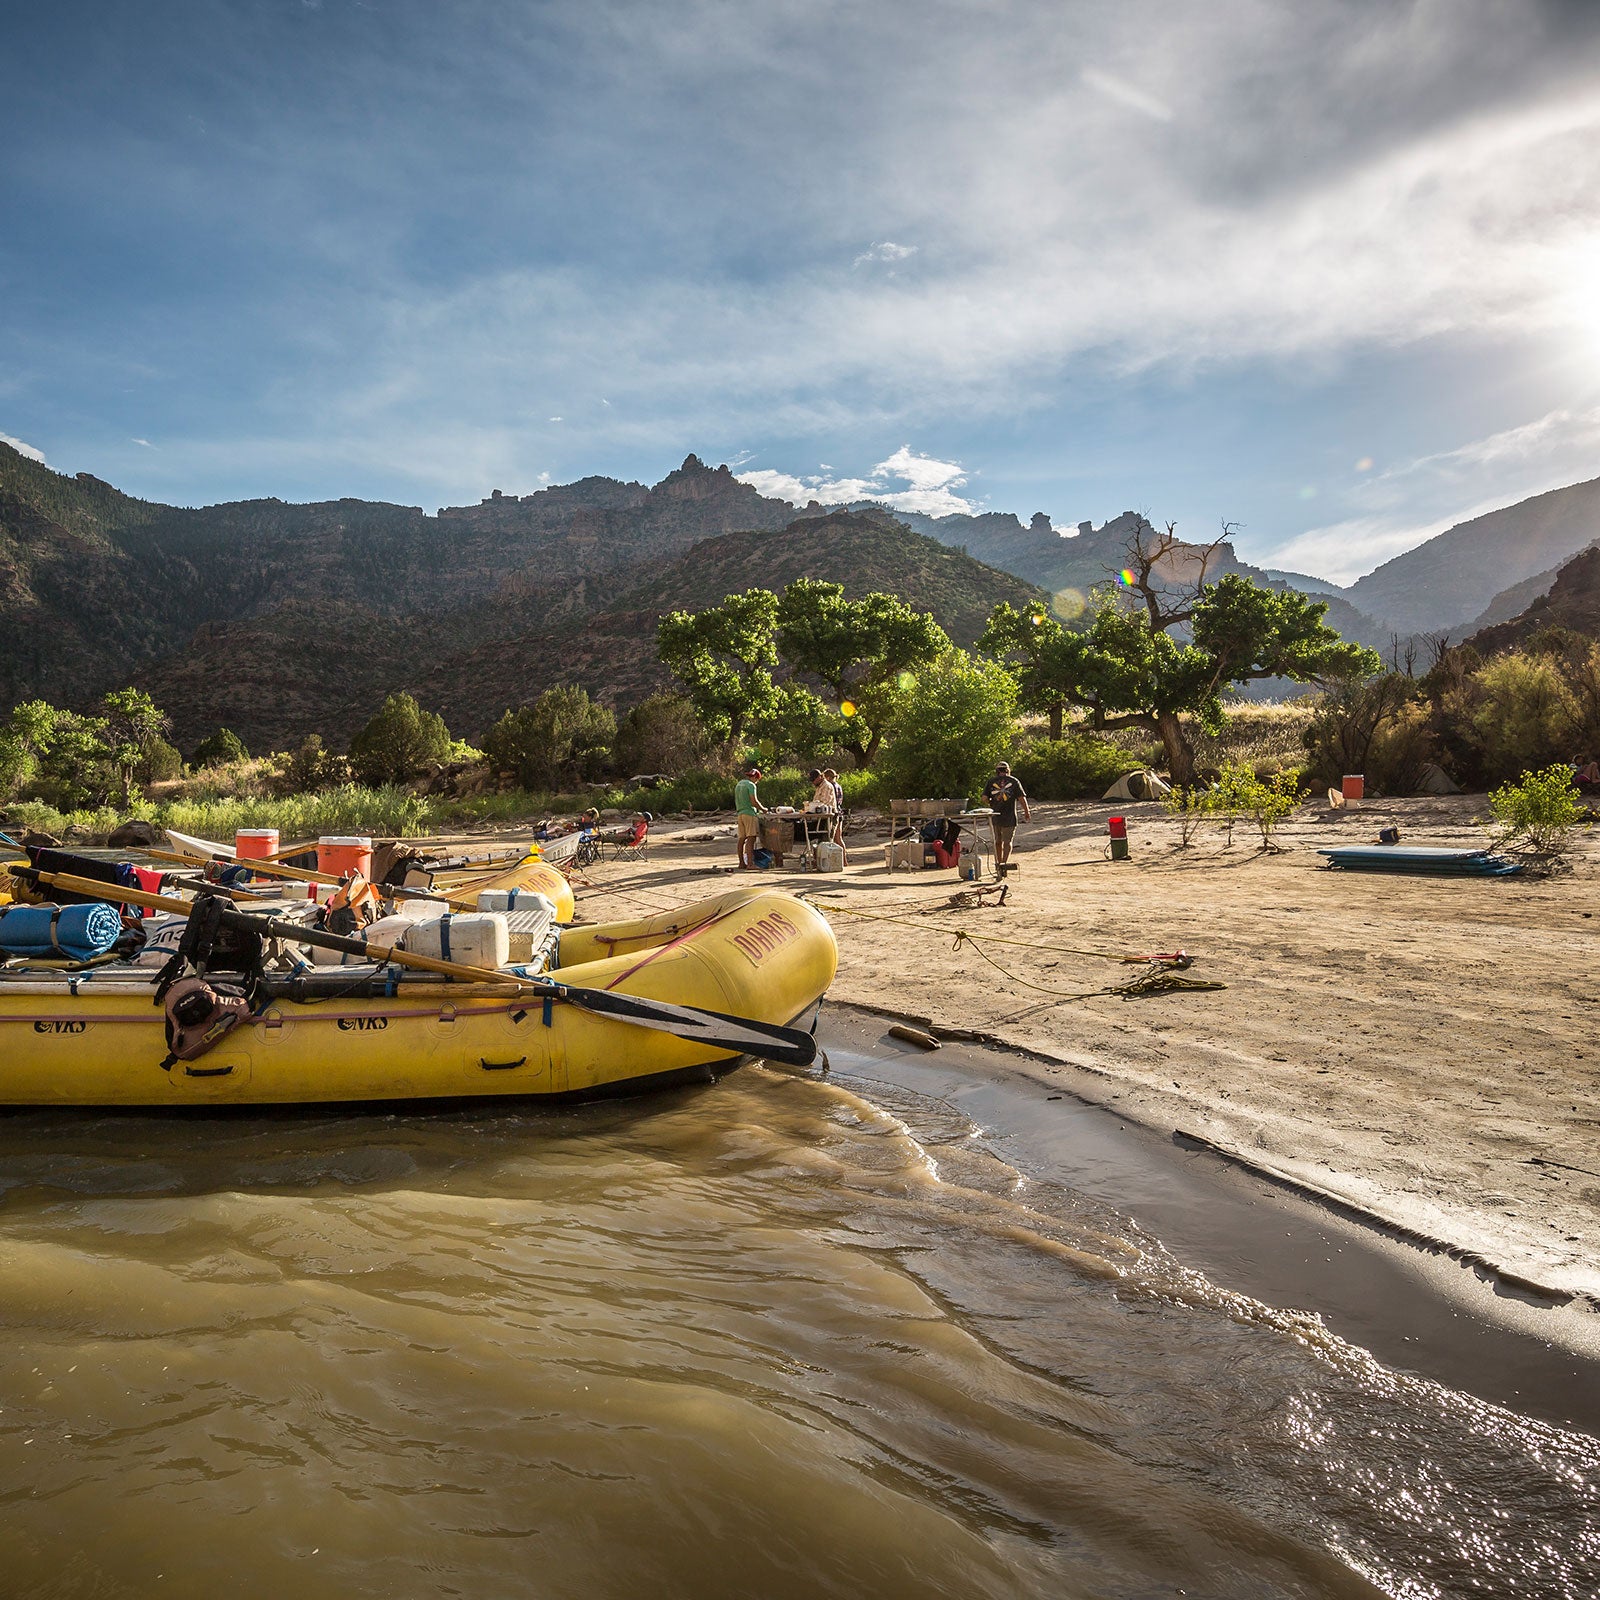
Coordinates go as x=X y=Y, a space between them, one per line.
x=1541 y=808
x=1523 y=714
x=961 y=721
x=159 y=762
x=1240 y=794
x=219 y=749
x=1078 y=767
x=559 y=738
x=661 y=734
x=400 y=743
x=312 y=768
x=1189 y=808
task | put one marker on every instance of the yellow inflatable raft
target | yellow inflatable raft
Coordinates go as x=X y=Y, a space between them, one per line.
x=97 y=1039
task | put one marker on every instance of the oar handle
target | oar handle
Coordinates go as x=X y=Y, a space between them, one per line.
x=272 y=869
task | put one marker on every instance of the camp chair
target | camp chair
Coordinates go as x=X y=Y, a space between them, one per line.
x=633 y=845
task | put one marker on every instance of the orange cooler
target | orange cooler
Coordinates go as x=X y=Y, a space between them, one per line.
x=254 y=844
x=337 y=856
x=1355 y=786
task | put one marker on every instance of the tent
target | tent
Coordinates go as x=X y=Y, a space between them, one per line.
x=1138 y=785
x=1435 y=780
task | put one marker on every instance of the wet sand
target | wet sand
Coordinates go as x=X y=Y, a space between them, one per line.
x=1419 y=1052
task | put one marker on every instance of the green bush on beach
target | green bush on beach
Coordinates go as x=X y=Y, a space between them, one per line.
x=1541 y=808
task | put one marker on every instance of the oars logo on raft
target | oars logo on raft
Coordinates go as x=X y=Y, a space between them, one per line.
x=762 y=937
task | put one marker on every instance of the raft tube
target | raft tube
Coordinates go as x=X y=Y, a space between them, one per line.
x=96 y=1039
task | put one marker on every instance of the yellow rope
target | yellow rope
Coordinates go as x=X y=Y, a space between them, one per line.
x=960 y=934
x=1162 y=977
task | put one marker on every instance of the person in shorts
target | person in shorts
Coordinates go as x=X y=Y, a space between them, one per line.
x=1003 y=794
x=747 y=809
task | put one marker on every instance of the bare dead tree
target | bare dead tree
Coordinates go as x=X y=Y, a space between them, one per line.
x=1149 y=551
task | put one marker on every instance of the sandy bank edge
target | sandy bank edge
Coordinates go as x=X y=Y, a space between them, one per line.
x=1300 y=1178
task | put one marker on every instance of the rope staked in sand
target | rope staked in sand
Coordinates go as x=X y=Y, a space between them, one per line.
x=1162 y=978
x=960 y=934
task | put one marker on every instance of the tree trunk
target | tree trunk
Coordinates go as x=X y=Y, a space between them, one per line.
x=1056 y=710
x=1180 y=752
x=865 y=756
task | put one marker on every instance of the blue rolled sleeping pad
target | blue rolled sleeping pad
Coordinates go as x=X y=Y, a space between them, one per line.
x=59 y=933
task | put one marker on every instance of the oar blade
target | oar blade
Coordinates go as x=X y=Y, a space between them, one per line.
x=716 y=1029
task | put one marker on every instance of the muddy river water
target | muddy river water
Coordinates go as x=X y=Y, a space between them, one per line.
x=780 y=1336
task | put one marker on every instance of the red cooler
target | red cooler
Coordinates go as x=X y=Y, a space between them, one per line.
x=255 y=844
x=338 y=855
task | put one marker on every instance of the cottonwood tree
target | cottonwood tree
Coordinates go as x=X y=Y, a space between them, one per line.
x=866 y=653
x=724 y=657
x=1129 y=663
x=134 y=727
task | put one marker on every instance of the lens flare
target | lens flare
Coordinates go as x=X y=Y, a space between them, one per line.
x=907 y=680
x=847 y=708
x=1364 y=464
x=1068 y=604
x=1125 y=578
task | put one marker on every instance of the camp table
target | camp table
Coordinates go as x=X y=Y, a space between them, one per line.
x=798 y=833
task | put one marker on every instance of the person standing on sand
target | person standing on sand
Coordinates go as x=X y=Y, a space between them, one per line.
x=1003 y=794
x=836 y=793
x=748 y=808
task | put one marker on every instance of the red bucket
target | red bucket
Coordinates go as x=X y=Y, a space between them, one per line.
x=1117 y=827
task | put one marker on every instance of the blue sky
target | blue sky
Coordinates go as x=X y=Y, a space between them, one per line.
x=1326 y=271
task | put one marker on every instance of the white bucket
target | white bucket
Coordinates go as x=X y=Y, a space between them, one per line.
x=475 y=939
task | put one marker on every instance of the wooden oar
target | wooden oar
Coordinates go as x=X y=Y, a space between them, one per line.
x=269 y=869
x=714 y=1029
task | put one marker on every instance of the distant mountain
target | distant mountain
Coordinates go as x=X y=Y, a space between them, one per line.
x=221 y=610
x=1457 y=574
x=1573 y=602
x=1306 y=584
x=1090 y=557
x=1514 y=601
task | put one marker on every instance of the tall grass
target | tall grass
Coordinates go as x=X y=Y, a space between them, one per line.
x=348 y=809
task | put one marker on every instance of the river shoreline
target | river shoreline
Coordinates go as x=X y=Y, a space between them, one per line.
x=1413 y=1308
x=1416 y=1053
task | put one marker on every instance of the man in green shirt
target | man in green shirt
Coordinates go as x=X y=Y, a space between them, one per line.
x=748 y=807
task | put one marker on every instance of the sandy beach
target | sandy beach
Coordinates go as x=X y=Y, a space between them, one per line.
x=1419 y=1050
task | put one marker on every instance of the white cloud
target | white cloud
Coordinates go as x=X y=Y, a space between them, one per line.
x=28 y=450
x=145 y=442
x=1125 y=94
x=886 y=251
x=929 y=485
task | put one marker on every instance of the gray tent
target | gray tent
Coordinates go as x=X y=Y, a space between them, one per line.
x=1435 y=780
x=1138 y=785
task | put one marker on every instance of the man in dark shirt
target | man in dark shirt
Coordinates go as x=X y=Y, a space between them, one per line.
x=1003 y=795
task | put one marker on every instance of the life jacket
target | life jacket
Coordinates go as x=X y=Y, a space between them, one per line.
x=351 y=907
